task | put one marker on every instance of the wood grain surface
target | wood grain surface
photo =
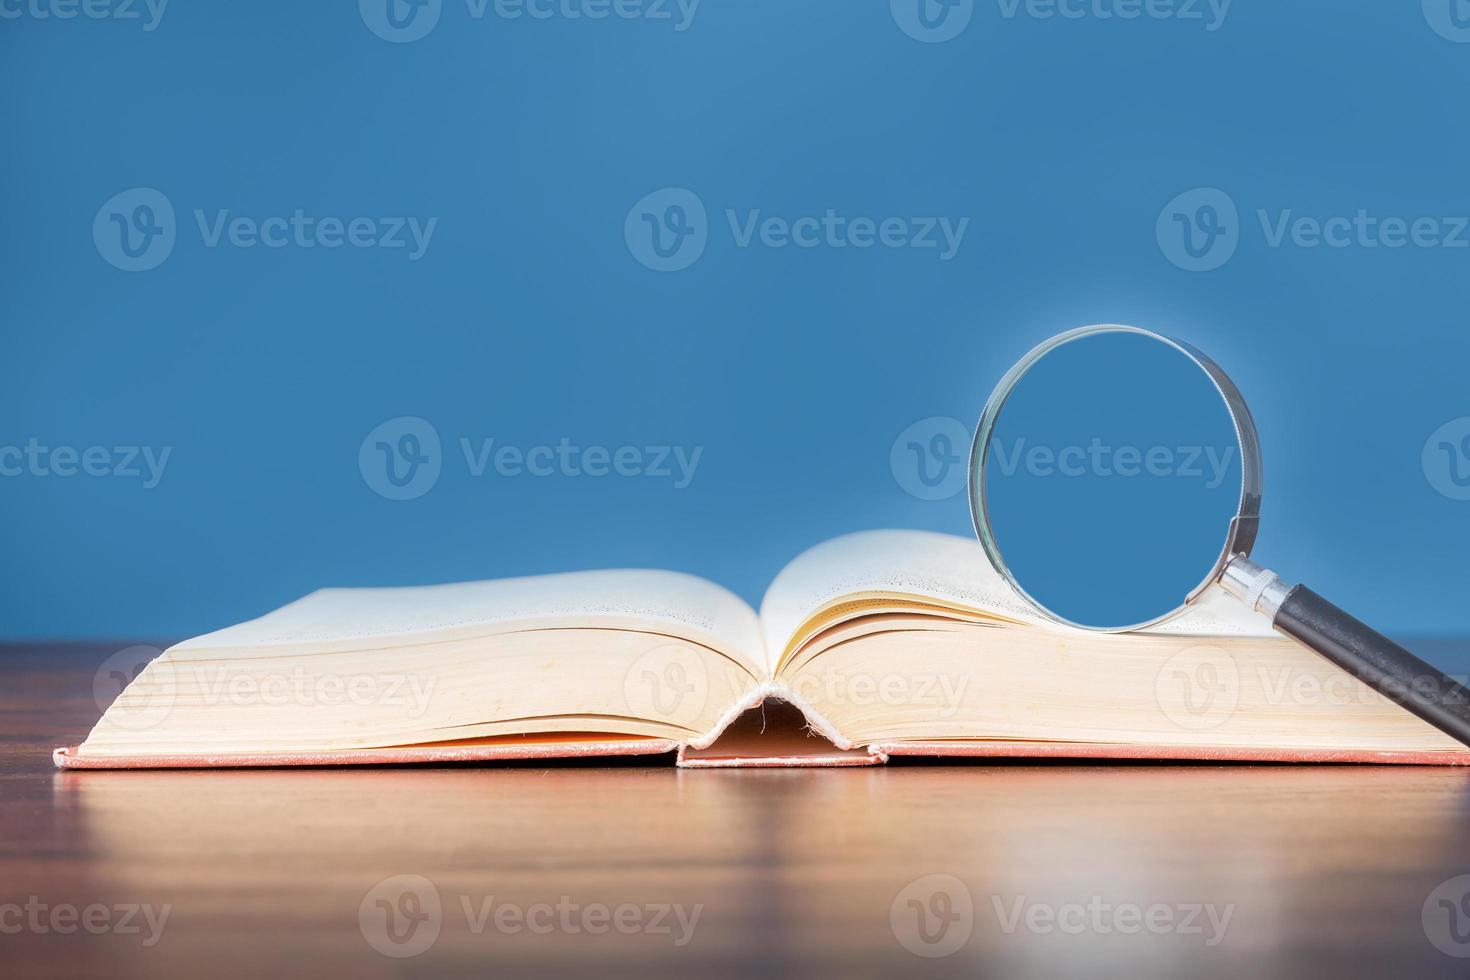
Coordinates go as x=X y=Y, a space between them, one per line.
x=641 y=870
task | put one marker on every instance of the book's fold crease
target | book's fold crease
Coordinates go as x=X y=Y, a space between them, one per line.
x=773 y=726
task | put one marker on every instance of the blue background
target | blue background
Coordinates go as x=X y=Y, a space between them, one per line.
x=529 y=321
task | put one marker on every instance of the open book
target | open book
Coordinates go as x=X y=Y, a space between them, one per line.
x=867 y=646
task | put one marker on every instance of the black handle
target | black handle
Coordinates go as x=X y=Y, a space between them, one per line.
x=1377 y=661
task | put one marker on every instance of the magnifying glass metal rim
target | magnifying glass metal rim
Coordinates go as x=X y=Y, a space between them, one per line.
x=1240 y=536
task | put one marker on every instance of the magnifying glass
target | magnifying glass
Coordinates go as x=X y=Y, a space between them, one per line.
x=1116 y=477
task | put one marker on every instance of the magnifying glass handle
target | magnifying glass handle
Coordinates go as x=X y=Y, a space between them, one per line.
x=1357 y=648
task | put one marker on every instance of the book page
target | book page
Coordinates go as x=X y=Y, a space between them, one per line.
x=1216 y=613
x=942 y=567
x=948 y=569
x=371 y=618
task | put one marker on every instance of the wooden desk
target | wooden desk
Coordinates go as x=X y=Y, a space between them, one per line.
x=1323 y=871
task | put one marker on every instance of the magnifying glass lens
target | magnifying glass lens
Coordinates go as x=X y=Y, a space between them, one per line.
x=1112 y=474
